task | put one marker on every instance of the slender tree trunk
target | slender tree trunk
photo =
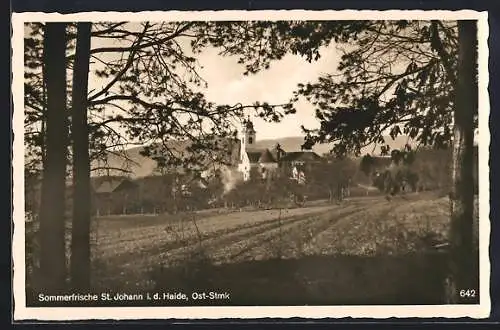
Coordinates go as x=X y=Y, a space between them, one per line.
x=80 y=238
x=340 y=192
x=462 y=193
x=52 y=226
x=44 y=115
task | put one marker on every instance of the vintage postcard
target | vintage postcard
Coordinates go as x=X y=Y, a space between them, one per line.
x=313 y=164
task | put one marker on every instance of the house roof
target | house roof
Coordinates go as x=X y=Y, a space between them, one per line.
x=113 y=184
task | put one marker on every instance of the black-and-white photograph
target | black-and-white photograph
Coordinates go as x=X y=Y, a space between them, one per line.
x=279 y=161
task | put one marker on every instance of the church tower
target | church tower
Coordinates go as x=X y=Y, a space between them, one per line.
x=249 y=133
x=247 y=136
x=247 y=140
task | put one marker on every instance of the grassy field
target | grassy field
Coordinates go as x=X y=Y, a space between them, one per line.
x=367 y=249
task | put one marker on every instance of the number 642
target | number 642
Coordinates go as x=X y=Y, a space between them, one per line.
x=469 y=293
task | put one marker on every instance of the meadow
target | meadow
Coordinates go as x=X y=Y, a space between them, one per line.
x=362 y=250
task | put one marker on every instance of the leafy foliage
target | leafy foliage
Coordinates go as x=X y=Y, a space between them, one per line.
x=334 y=174
x=148 y=88
x=366 y=164
x=258 y=43
x=395 y=77
x=425 y=169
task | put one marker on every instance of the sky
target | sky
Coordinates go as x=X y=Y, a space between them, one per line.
x=228 y=85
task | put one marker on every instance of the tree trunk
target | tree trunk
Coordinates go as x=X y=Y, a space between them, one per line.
x=52 y=226
x=462 y=193
x=44 y=115
x=80 y=238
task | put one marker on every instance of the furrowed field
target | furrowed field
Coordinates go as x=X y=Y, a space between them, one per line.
x=363 y=250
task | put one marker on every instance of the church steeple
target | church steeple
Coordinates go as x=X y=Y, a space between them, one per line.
x=249 y=133
x=247 y=137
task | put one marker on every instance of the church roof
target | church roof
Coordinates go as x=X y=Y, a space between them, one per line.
x=255 y=154
x=305 y=156
x=266 y=157
x=260 y=156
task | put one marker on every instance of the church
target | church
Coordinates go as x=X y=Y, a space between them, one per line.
x=265 y=160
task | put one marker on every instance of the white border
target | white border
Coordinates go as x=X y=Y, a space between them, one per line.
x=21 y=312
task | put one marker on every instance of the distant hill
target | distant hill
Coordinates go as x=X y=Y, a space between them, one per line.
x=132 y=163
x=140 y=166
x=294 y=144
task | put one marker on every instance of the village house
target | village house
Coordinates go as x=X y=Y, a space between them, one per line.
x=113 y=195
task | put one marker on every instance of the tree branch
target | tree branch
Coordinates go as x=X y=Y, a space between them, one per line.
x=139 y=47
x=112 y=28
x=437 y=44
x=129 y=63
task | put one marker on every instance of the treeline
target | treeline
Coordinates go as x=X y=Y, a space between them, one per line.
x=413 y=171
x=169 y=194
x=155 y=194
x=332 y=179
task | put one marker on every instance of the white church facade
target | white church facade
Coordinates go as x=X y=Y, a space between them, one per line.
x=265 y=160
